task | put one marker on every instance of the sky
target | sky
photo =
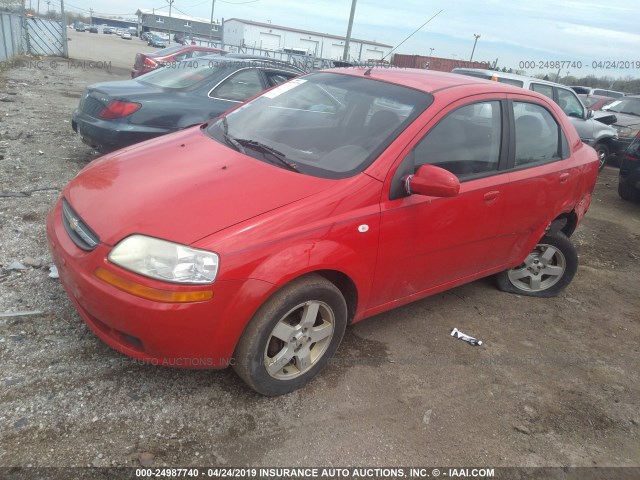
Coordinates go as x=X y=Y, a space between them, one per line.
x=588 y=36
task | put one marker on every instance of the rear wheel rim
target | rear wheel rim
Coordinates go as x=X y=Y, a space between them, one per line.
x=541 y=270
x=299 y=340
x=602 y=158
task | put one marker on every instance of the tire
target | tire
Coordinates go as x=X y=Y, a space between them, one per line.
x=546 y=271
x=292 y=336
x=628 y=192
x=603 y=155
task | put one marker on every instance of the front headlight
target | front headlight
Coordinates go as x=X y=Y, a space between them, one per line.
x=627 y=132
x=166 y=261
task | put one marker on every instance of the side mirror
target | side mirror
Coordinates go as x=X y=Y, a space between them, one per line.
x=589 y=114
x=432 y=181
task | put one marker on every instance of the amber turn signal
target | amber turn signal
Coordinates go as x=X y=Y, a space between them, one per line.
x=150 y=293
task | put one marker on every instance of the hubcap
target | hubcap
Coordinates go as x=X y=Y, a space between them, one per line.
x=299 y=340
x=542 y=269
x=601 y=157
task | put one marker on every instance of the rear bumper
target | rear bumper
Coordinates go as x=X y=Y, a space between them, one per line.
x=109 y=135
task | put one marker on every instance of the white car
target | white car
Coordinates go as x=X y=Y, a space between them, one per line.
x=126 y=36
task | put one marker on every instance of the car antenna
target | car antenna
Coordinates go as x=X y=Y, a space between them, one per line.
x=412 y=34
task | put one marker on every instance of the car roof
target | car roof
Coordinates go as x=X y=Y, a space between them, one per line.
x=429 y=81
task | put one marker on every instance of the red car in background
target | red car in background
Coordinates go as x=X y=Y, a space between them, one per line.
x=254 y=239
x=146 y=62
x=595 y=102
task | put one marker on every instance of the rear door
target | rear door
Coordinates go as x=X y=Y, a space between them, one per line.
x=544 y=179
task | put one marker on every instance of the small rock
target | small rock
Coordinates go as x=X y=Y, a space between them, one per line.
x=15 y=265
x=16 y=338
x=13 y=381
x=20 y=423
x=32 y=262
x=427 y=417
x=146 y=459
x=53 y=272
x=522 y=429
x=40 y=152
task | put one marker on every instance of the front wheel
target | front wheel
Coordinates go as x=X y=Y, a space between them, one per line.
x=546 y=271
x=603 y=154
x=292 y=336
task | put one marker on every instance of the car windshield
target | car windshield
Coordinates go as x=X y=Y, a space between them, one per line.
x=187 y=73
x=627 y=105
x=324 y=124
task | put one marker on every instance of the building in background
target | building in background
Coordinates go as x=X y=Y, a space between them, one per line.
x=183 y=25
x=114 y=22
x=265 y=36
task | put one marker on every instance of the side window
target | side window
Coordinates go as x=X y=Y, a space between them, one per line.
x=276 y=78
x=466 y=142
x=240 y=86
x=546 y=90
x=570 y=103
x=539 y=138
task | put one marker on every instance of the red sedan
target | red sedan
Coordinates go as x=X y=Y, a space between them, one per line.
x=146 y=62
x=254 y=240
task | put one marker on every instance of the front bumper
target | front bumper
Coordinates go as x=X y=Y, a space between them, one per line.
x=620 y=145
x=109 y=135
x=188 y=335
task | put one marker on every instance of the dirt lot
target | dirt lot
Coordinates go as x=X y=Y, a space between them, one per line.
x=556 y=382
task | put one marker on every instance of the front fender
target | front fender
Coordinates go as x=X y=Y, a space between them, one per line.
x=316 y=255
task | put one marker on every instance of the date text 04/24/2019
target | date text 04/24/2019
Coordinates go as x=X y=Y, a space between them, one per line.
x=578 y=64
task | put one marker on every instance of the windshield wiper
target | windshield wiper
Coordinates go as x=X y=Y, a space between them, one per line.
x=228 y=138
x=261 y=147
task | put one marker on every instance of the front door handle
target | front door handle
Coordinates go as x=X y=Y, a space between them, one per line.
x=492 y=196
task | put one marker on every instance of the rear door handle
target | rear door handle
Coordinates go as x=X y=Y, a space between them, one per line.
x=564 y=177
x=491 y=196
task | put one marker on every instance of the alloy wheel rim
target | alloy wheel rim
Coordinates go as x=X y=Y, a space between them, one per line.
x=541 y=270
x=299 y=340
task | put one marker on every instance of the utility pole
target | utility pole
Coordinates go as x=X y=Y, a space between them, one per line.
x=477 y=35
x=213 y=4
x=170 y=2
x=345 y=54
x=63 y=19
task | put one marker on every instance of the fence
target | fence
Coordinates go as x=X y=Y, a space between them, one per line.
x=46 y=37
x=12 y=40
x=31 y=35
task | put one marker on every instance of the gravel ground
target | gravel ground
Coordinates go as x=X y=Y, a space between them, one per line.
x=556 y=382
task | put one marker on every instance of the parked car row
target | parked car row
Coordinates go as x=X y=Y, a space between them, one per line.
x=253 y=239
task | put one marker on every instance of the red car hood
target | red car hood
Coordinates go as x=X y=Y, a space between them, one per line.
x=180 y=187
